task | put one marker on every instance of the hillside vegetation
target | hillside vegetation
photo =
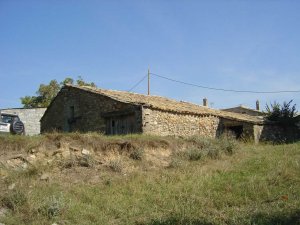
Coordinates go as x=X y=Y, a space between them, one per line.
x=143 y=180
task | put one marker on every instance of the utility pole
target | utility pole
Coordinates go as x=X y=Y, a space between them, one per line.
x=148 y=81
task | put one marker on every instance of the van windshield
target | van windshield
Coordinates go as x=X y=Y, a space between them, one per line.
x=8 y=118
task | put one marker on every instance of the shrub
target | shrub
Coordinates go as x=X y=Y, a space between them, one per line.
x=200 y=141
x=68 y=163
x=284 y=114
x=228 y=145
x=31 y=171
x=52 y=206
x=84 y=161
x=87 y=161
x=213 y=152
x=116 y=165
x=137 y=154
x=212 y=148
x=175 y=163
x=14 y=200
x=194 y=154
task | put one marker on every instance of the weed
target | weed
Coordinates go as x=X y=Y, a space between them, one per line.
x=175 y=163
x=14 y=200
x=87 y=161
x=84 y=161
x=228 y=145
x=213 y=152
x=108 y=182
x=68 y=163
x=52 y=206
x=179 y=221
x=31 y=171
x=137 y=154
x=116 y=165
x=194 y=154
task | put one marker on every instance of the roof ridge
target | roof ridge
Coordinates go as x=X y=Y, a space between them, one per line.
x=166 y=104
x=134 y=93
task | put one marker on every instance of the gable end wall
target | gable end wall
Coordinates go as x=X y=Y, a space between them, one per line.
x=89 y=109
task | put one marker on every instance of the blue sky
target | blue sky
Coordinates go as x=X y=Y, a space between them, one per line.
x=242 y=44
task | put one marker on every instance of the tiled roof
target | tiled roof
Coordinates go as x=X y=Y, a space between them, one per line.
x=166 y=104
x=242 y=107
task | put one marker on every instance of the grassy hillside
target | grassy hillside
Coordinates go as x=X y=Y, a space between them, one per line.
x=93 y=179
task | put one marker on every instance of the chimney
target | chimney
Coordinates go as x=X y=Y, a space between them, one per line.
x=257 y=105
x=205 y=102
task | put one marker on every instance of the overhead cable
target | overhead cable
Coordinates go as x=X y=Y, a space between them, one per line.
x=134 y=86
x=222 y=89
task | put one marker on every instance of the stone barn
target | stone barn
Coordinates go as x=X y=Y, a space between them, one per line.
x=87 y=109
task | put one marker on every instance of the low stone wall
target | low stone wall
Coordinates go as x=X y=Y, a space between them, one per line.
x=30 y=118
x=163 y=123
x=276 y=133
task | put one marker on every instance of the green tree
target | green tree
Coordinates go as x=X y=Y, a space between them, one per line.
x=67 y=80
x=47 y=92
x=284 y=114
x=81 y=82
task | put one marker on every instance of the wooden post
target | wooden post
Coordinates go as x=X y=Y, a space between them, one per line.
x=148 y=82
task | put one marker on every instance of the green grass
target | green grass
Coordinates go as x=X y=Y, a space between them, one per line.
x=257 y=185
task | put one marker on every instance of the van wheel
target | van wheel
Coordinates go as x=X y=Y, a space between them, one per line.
x=17 y=127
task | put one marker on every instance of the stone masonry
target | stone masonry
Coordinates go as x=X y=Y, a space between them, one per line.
x=276 y=133
x=178 y=124
x=95 y=112
x=75 y=110
x=87 y=109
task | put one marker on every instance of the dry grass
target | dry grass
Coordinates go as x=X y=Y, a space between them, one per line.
x=244 y=184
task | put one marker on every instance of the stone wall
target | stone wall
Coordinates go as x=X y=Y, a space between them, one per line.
x=163 y=123
x=78 y=110
x=30 y=118
x=247 y=129
x=276 y=133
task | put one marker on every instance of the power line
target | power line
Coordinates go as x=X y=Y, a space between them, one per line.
x=222 y=89
x=140 y=81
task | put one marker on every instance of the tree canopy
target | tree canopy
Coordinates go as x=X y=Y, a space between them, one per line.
x=283 y=113
x=47 y=92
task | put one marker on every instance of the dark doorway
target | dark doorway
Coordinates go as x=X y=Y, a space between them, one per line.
x=120 y=124
x=71 y=118
x=236 y=131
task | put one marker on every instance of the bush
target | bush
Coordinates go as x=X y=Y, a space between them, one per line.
x=194 y=154
x=14 y=200
x=213 y=152
x=137 y=154
x=228 y=145
x=84 y=161
x=68 y=163
x=116 y=165
x=212 y=148
x=175 y=163
x=200 y=141
x=87 y=161
x=52 y=206
x=283 y=114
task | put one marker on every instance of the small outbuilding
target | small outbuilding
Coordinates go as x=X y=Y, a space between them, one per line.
x=87 y=109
